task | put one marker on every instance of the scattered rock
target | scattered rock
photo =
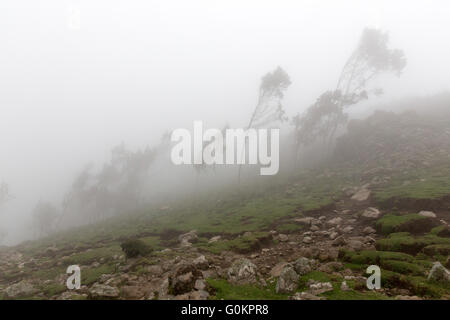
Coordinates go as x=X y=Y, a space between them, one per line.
x=439 y=273
x=347 y=229
x=20 y=289
x=200 y=284
x=333 y=235
x=276 y=270
x=320 y=287
x=102 y=291
x=287 y=281
x=307 y=240
x=214 y=239
x=369 y=230
x=305 y=296
x=199 y=295
x=335 y=221
x=188 y=238
x=339 y=241
x=428 y=214
x=201 y=263
x=371 y=213
x=242 y=271
x=303 y=266
x=361 y=195
x=283 y=237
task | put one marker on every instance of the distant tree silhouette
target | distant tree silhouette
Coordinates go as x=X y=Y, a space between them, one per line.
x=370 y=58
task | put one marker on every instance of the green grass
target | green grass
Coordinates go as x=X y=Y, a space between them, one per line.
x=422 y=183
x=368 y=257
x=89 y=256
x=91 y=275
x=404 y=242
x=397 y=223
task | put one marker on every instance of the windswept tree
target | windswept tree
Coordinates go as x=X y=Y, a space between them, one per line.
x=44 y=218
x=371 y=58
x=268 y=109
x=116 y=187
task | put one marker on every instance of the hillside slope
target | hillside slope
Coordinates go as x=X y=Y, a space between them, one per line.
x=383 y=200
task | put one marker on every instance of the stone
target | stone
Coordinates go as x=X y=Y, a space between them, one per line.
x=333 y=235
x=132 y=292
x=201 y=263
x=283 y=237
x=102 y=291
x=303 y=266
x=242 y=271
x=214 y=239
x=20 y=289
x=188 y=238
x=361 y=195
x=155 y=270
x=347 y=229
x=276 y=270
x=439 y=273
x=307 y=240
x=199 y=295
x=369 y=230
x=305 y=296
x=287 y=281
x=200 y=284
x=371 y=213
x=335 y=221
x=339 y=241
x=428 y=214
x=320 y=287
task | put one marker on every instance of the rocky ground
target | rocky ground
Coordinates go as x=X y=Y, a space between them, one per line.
x=319 y=261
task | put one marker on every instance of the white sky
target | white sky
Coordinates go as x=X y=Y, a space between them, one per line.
x=77 y=77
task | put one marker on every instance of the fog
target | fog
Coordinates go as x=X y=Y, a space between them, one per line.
x=80 y=77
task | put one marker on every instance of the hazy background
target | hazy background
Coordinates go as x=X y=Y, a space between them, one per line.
x=78 y=77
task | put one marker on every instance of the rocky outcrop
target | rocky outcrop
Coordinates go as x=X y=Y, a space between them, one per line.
x=242 y=271
x=439 y=273
x=287 y=281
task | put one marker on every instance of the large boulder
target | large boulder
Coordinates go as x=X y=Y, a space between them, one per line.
x=287 y=281
x=186 y=239
x=303 y=265
x=362 y=194
x=242 y=271
x=439 y=273
x=182 y=280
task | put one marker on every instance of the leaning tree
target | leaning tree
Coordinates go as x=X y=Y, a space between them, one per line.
x=371 y=58
x=269 y=109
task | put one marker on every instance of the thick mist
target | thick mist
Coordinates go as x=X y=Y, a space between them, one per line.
x=80 y=77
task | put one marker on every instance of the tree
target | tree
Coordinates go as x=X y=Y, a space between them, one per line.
x=271 y=91
x=44 y=217
x=114 y=188
x=268 y=108
x=370 y=58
